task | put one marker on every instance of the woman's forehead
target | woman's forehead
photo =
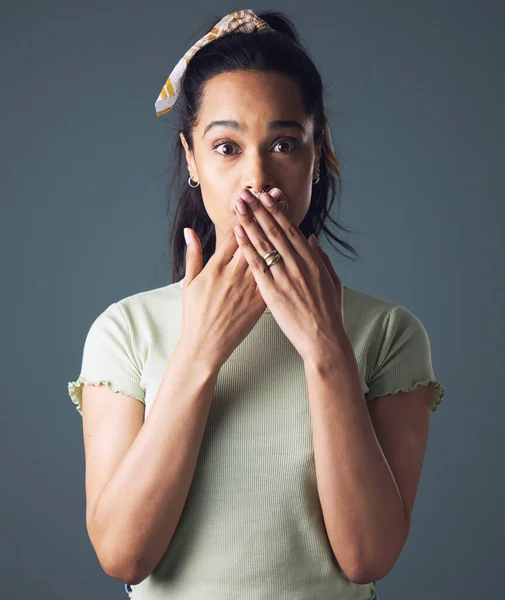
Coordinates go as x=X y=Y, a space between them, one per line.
x=252 y=99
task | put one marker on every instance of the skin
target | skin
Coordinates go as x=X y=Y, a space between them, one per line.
x=254 y=158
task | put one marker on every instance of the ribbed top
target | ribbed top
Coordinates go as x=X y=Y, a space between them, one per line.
x=252 y=527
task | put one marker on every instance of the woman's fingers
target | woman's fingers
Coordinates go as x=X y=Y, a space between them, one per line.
x=194 y=256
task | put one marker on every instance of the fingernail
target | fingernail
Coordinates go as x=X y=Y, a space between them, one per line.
x=275 y=193
x=283 y=205
x=247 y=196
x=241 y=207
x=266 y=199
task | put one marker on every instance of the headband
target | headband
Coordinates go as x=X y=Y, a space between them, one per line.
x=240 y=20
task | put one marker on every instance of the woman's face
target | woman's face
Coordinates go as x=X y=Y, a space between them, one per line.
x=271 y=144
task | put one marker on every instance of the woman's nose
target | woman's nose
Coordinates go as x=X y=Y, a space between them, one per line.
x=257 y=190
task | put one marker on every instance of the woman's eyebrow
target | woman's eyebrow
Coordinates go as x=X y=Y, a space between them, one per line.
x=272 y=126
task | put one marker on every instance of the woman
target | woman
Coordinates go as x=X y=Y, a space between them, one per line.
x=253 y=429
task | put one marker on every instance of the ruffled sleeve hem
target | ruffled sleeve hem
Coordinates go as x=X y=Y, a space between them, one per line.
x=438 y=391
x=75 y=390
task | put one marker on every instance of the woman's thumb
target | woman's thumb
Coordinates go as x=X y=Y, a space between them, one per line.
x=194 y=255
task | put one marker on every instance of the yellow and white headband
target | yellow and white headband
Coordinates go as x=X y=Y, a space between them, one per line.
x=239 y=20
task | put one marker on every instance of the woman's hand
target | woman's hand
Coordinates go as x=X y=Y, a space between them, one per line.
x=302 y=289
x=221 y=301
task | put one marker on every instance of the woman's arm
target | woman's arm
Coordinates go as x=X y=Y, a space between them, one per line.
x=362 y=506
x=138 y=510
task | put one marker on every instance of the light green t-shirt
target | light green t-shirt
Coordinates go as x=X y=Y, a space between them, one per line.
x=252 y=526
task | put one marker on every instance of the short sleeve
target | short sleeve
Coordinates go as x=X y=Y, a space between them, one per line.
x=108 y=358
x=404 y=362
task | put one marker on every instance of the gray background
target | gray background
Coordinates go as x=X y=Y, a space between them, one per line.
x=416 y=90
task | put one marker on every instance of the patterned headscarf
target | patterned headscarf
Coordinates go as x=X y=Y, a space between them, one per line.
x=239 y=20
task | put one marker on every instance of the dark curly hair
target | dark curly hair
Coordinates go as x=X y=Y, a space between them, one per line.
x=280 y=51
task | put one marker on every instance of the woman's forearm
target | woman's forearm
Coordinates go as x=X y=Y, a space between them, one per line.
x=140 y=507
x=362 y=506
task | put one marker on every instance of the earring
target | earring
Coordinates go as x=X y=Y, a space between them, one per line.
x=193 y=186
x=316 y=181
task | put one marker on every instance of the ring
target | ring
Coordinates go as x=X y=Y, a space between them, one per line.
x=276 y=258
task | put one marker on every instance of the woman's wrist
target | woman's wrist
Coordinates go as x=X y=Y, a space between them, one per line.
x=197 y=354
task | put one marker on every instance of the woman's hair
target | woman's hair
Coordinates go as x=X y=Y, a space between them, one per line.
x=279 y=51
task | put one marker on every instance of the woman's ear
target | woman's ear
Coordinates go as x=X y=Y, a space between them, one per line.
x=189 y=157
x=317 y=160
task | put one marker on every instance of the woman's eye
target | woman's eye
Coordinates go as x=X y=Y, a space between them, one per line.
x=294 y=142
x=223 y=144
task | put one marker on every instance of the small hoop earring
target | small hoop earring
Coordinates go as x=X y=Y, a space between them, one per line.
x=193 y=186
x=316 y=181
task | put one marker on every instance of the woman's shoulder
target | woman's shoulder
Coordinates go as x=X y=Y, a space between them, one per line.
x=159 y=300
x=361 y=304
x=369 y=317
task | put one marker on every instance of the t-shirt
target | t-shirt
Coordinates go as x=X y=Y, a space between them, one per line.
x=252 y=525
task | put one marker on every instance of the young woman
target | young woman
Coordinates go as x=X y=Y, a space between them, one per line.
x=254 y=429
